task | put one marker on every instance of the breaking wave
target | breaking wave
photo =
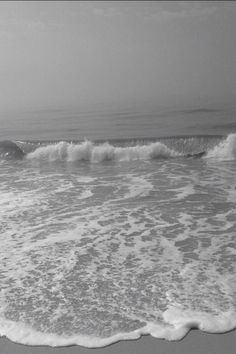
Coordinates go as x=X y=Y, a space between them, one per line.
x=225 y=150
x=213 y=147
x=88 y=151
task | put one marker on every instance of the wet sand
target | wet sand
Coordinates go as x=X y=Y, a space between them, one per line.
x=195 y=342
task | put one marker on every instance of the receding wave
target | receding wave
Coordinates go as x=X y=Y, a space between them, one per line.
x=177 y=325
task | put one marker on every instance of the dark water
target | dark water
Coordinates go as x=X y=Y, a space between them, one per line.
x=97 y=122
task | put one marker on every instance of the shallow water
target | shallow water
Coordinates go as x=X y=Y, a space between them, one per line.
x=110 y=240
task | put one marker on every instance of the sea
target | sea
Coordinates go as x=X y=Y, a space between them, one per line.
x=117 y=223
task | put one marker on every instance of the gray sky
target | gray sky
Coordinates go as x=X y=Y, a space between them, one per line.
x=56 y=54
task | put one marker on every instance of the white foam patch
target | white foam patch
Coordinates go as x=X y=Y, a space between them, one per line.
x=137 y=187
x=183 y=192
x=231 y=198
x=86 y=194
x=10 y=201
x=86 y=179
x=170 y=252
x=183 y=320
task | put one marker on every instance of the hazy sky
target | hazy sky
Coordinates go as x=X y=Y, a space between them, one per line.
x=70 y=53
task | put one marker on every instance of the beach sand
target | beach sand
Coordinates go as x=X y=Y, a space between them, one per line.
x=196 y=342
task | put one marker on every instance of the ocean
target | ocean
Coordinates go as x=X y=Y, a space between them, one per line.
x=117 y=223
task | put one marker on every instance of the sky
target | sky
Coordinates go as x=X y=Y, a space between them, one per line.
x=68 y=53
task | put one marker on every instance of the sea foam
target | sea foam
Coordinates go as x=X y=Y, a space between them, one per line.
x=177 y=323
x=93 y=255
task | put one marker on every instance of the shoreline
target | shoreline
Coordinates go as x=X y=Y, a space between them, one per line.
x=195 y=342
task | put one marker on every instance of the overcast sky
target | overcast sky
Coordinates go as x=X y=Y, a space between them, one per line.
x=70 y=53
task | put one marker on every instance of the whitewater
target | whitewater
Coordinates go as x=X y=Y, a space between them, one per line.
x=107 y=240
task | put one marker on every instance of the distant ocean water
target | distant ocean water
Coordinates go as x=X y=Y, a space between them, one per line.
x=116 y=224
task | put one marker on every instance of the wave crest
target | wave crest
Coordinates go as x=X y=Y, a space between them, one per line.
x=88 y=151
x=225 y=150
x=216 y=148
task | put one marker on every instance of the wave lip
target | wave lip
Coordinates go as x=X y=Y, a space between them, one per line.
x=225 y=150
x=88 y=151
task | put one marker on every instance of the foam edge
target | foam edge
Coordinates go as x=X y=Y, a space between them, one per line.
x=177 y=324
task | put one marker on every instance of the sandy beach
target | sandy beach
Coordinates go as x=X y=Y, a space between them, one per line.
x=196 y=342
